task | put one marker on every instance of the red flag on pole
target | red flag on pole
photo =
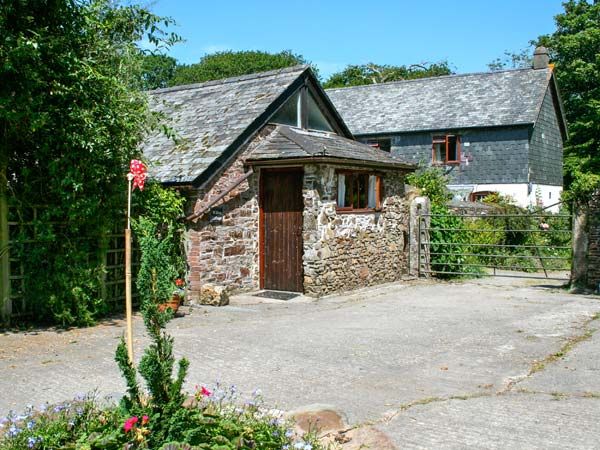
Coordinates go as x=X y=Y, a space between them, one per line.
x=137 y=170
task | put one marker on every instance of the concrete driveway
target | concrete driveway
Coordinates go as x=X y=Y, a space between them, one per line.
x=478 y=364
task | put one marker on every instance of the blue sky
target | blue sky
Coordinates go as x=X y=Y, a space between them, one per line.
x=332 y=34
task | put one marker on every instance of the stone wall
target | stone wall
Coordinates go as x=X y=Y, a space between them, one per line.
x=222 y=246
x=585 y=270
x=593 y=274
x=344 y=251
x=341 y=251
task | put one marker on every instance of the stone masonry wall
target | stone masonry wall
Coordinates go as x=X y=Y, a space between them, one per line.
x=348 y=251
x=593 y=267
x=222 y=246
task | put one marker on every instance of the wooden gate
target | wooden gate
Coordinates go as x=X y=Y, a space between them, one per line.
x=281 y=229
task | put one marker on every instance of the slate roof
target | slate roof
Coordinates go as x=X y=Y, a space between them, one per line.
x=207 y=119
x=512 y=97
x=286 y=142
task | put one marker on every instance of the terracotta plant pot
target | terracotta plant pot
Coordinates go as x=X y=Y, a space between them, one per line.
x=172 y=304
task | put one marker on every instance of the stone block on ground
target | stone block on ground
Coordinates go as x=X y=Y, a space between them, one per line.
x=333 y=430
x=213 y=295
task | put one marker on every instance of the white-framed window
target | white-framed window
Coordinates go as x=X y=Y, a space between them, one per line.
x=359 y=191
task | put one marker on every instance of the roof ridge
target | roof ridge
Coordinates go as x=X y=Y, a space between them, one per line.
x=413 y=80
x=250 y=76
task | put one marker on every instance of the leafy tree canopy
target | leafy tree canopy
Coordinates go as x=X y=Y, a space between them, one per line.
x=71 y=117
x=520 y=60
x=157 y=71
x=358 y=75
x=574 y=48
x=232 y=64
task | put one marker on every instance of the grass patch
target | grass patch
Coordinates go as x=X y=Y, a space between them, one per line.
x=538 y=366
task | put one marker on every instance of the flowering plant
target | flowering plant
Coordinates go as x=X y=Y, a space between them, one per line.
x=139 y=433
x=179 y=287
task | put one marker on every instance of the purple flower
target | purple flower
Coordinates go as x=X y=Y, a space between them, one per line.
x=32 y=440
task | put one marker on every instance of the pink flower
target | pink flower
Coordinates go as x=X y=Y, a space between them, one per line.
x=205 y=392
x=145 y=420
x=129 y=424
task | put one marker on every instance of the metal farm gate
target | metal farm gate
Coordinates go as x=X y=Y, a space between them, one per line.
x=525 y=245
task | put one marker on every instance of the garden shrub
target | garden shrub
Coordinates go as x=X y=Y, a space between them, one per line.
x=448 y=238
x=72 y=117
x=218 y=419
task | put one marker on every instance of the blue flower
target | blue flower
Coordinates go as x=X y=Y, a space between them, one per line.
x=13 y=431
x=32 y=440
x=289 y=433
x=30 y=424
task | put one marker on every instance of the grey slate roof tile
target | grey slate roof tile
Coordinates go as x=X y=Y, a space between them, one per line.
x=207 y=118
x=286 y=142
x=488 y=99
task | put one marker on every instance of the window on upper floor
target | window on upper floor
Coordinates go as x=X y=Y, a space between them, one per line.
x=446 y=149
x=290 y=112
x=359 y=191
x=384 y=144
x=302 y=110
x=316 y=118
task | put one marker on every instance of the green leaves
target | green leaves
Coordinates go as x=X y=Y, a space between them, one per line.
x=357 y=75
x=574 y=49
x=231 y=64
x=71 y=117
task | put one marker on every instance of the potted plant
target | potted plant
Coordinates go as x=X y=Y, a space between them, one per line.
x=176 y=298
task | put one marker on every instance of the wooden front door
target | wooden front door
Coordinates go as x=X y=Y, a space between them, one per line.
x=281 y=229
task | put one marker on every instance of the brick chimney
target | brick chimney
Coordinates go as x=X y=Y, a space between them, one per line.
x=541 y=58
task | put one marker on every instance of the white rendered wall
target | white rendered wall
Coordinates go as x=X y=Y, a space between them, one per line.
x=540 y=194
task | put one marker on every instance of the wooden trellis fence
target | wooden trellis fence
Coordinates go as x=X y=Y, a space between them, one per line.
x=109 y=255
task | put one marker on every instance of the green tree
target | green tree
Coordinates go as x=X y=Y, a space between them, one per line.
x=574 y=48
x=71 y=118
x=510 y=60
x=358 y=75
x=232 y=64
x=157 y=71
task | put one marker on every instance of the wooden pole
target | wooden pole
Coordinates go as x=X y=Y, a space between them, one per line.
x=128 y=303
x=5 y=302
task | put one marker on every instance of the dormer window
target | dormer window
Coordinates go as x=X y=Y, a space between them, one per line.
x=302 y=110
x=290 y=112
x=316 y=118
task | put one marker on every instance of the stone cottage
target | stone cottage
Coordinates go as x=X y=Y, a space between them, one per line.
x=281 y=195
x=490 y=132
